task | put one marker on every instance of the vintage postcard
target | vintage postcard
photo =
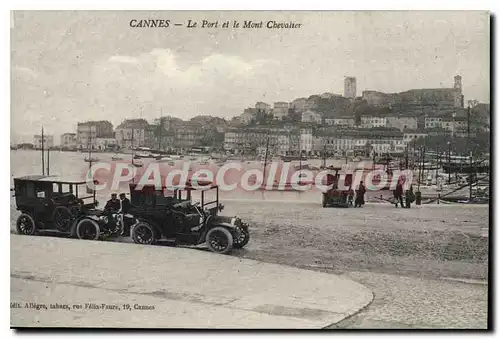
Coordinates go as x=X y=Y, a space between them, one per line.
x=250 y=169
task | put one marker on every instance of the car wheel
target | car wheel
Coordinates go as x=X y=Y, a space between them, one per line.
x=25 y=224
x=143 y=233
x=219 y=240
x=62 y=218
x=88 y=229
x=242 y=239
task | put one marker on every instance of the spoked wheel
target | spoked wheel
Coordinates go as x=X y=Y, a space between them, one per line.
x=88 y=229
x=143 y=233
x=25 y=224
x=219 y=240
x=242 y=239
x=62 y=218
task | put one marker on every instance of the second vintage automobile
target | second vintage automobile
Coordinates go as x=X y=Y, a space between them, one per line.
x=176 y=217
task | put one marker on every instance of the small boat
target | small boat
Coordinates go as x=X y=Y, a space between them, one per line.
x=137 y=164
x=161 y=160
x=91 y=159
x=116 y=157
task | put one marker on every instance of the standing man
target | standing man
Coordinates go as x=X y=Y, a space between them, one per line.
x=125 y=207
x=398 y=194
x=360 y=195
x=125 y=204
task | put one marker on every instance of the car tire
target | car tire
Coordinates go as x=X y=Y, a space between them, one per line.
x=243 y=239
x=143 y=233
x=88 y=229
x=219 y=240
x=62 y=218
x=25 y=224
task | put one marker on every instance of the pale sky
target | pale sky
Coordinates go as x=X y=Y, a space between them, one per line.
x=91 y=65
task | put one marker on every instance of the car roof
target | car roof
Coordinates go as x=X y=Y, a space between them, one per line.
x=53 y=178
x=204 y=185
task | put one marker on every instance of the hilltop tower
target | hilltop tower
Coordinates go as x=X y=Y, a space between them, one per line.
x=458 y=83
x=350 y=87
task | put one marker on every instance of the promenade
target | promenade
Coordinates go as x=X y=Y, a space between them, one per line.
x=103 y=284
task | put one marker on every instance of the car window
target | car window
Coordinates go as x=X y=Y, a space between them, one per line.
x=30 y=189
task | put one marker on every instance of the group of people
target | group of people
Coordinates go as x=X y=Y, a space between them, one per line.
x=115 y=205
x=398 y=196
x=359 y=200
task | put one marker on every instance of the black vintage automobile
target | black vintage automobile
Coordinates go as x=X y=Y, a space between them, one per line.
x=176 y=217
x=51 y=203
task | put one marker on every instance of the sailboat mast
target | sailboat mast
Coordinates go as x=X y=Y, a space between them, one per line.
x=132 y=145
x=300 y=151
x=43 y=155
x=265 y=159
x=48 y=160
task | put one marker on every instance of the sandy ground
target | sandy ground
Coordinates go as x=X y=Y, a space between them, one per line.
x=403 y=255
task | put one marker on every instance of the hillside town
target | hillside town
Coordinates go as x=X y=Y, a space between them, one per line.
x=325 y=124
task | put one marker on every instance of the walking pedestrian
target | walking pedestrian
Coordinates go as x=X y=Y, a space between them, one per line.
x=398 y=194
x=360 y=195
x=350 y=197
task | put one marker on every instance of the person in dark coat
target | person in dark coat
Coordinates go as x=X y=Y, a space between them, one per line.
x=398 y=194
x=360 y=195
x=350 y=197
x=112 y=207
x=125 y=207
x=113 y=204
x=410 y=197
x=125 y=203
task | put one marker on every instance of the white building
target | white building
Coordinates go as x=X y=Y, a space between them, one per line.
x=410 y=136
x=311 y=117
x=306 y=140
x=299 y=104
x=106 y=143
x=280 y=110
x=433 y=122
x=86 y=136
x=263 y=107
x=369 y=121
x=69 y=141
x=350 y=87
x=48 y=141
x=402 y=122
x=248 y=116
x=341 y=121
